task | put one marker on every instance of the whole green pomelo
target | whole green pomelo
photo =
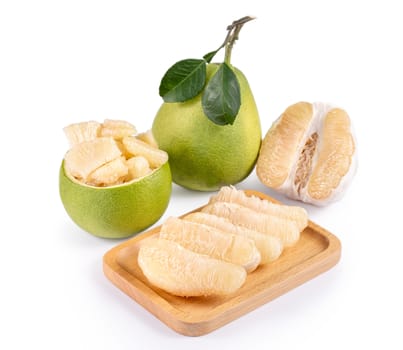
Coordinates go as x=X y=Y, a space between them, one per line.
x=205 y=156
x=117 y=211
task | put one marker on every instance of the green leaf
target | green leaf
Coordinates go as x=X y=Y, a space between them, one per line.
x=184 y=80
x=209 y=56
x=222 y=96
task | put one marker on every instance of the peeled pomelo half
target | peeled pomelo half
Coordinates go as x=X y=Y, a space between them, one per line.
x=104 y=193
x=309 y=153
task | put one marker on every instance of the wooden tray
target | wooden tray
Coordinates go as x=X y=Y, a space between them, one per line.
x=316 y=251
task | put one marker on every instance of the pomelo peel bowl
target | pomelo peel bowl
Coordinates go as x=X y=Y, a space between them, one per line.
x=113 y=182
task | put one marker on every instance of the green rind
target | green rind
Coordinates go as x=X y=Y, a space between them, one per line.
x=117 y=211
x=199 y=150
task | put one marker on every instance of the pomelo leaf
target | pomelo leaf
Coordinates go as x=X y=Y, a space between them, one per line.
x=184 y=80
x=209 y=56
x=221 y=98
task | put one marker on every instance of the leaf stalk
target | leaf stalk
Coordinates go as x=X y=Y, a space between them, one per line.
x=233 y=34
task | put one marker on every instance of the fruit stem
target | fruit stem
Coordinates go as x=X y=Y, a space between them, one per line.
x=233 y=33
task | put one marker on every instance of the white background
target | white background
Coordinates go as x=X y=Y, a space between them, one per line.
x=68 y=61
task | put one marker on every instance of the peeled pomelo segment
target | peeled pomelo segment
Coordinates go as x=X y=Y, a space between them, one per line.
x=179 y=271
x=125 y=152
x=117 y=129
x=97 y=144
x=335 y=155
x=137 y=167
x=281 y=144
x=136 y=147
x=269 y=247
x=83 y=158
x=109 y=174
x=210 y=241
x=148 y=138
x=80 y=132
x=231 y=195
x=284 y=229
